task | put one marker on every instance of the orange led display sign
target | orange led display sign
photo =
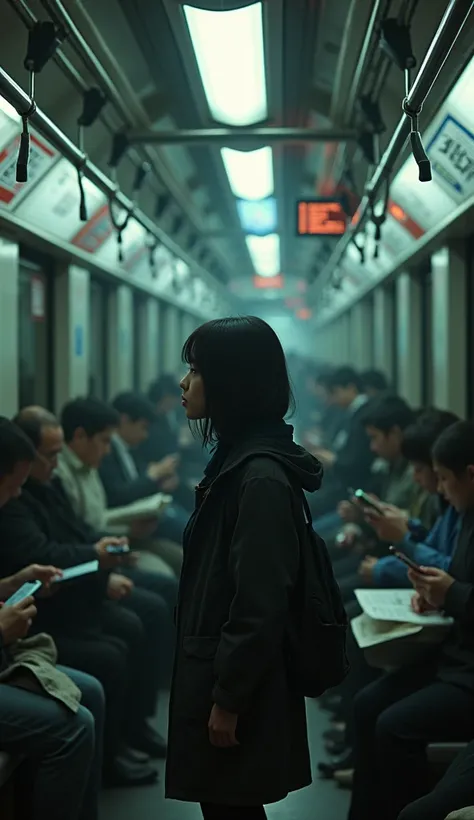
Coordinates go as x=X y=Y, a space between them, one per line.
x=320 y=217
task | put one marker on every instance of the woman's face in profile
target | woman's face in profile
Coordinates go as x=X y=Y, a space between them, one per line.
x=193 y=399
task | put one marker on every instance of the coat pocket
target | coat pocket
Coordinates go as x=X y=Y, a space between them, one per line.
x=195 y=678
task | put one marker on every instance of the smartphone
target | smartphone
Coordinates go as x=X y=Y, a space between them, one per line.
x=76 y=572
x=406 y=560
x=117 y=549
x=368 y=502
x=25 y=591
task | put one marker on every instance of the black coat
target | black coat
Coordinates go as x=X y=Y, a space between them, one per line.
x=241 y=559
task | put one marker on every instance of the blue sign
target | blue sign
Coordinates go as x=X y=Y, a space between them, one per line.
x=258 y=217
x=451 y=152
x=79 y=341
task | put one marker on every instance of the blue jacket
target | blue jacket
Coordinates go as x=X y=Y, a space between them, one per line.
x=435 y=551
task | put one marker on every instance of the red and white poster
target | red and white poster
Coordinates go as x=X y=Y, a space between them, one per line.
x=92 y=236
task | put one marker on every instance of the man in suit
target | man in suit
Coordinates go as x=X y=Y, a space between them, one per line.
x=122 y=479
x=349 y=462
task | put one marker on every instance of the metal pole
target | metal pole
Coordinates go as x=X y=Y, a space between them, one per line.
x=361 y=63
x=229 y=136
x=22 y=103
x=441 y=45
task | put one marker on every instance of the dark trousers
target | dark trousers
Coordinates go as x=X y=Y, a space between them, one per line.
x=64 y=748
x=212 y=811
x=117 y=653
x=455 y=791
x=395 y=718
x=154 y=600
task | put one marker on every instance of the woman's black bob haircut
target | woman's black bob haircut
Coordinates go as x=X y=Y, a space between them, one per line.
x=244 y=372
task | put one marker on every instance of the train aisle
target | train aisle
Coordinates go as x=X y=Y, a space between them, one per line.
x=321 y=801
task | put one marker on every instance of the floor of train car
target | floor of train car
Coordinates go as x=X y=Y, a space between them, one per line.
x=321 y=801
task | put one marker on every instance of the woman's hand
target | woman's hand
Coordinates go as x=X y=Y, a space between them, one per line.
x=431 y=584
x=222 y=726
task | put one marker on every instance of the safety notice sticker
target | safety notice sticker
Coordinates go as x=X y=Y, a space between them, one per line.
x=451 y=152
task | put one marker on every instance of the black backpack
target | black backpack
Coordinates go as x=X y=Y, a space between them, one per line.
x=317 y=658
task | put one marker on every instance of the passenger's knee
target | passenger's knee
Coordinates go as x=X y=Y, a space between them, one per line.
x=93 y=697
x=414 y=811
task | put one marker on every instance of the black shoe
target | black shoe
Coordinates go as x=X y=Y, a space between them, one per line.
x=133 y=755
x=122 y=773
x=146 y=739
x=327 y=770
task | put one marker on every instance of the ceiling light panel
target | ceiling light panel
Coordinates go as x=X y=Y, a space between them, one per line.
x=265 y=253
x=229 y=51
x=250 y=173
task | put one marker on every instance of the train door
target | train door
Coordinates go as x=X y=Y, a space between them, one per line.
x=35 y=335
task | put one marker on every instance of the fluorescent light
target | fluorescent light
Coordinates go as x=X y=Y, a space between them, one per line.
x=265 y=253
x=8 y=109
x=250 y=172
x=258 y=217
x=230 y=55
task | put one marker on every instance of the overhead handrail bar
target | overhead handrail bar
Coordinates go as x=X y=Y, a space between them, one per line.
x=441 y=46
x=22 y=103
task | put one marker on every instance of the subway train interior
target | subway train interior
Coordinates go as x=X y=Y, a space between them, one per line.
x=165 y=163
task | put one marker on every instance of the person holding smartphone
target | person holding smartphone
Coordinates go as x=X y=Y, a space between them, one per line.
x=400 y=714
x=66 y=747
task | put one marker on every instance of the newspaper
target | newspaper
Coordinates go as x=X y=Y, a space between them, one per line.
x=151 y=507
x=369 y=632
x=394 y=605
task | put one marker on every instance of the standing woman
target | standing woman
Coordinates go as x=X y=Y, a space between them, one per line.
x=237 y=735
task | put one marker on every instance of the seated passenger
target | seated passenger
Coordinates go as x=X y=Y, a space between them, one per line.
x=165 y=439
x=117 y=644
x=398 y=715
x=120 y=475
x=349 y=461
x=385 y=421
x=66 y=746
x=435 y=549
x=395 y=527
x=88 y=426
x=374 y=383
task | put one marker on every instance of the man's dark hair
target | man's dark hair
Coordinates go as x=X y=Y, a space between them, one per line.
x=15 y=447
x=454 y=449
x=375 y=380
x=134 y=405
x=91 y=415
x=387 y=413
x=419 y=438
x=33 y=420
x=344 y=377
x=166 y=385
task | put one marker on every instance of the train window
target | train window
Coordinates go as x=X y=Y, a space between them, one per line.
x=138 y=319
x=35 y=339
x=97 y=346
